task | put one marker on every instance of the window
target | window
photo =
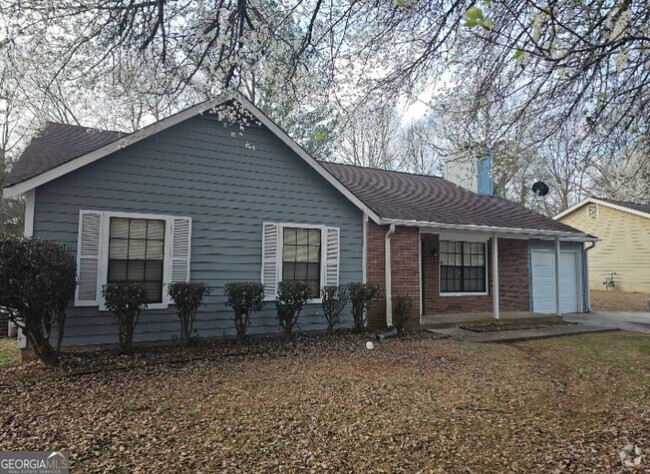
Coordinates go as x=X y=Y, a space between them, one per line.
x=301 y=257
x=462 y=267
x=136 y=254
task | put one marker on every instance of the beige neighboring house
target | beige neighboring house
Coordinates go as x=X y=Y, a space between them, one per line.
x=624 y=250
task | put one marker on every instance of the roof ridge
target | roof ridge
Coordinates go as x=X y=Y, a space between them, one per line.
x=381 y=169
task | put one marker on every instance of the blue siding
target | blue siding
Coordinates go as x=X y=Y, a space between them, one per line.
x=564 y=246
x=229 y=185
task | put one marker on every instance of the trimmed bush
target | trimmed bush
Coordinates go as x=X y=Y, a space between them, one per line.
x=334 y=299
x=402 y=310
x=187 y=297
x=361 y=296
x=244 y=298
x=292 y=297
x=126 y=301
x=37 y=280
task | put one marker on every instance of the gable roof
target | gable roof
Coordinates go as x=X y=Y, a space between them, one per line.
x=40 y=166
x=642 y=210
x=405 y=197
x=387 y=197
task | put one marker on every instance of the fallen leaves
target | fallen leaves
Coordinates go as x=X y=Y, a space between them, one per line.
x=319 y=403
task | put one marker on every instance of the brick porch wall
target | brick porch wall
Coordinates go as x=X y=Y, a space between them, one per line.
x=513 y=280
x=405 y=256
x=513 y=275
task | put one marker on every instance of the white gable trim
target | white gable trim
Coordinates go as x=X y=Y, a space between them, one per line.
x=175 y=119
x=601 y=203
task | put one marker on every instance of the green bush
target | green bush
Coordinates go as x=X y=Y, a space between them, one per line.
x=402 y=310
x=292 y=297
x=361 y=296
x=334 y=299
x=126 y=300
x=244 y=298
x=187 y=297
x=37 y=280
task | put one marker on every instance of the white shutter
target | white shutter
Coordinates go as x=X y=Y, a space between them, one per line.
x=332 y=254
x=88 y=258
x=270 y=251
x=181 y=241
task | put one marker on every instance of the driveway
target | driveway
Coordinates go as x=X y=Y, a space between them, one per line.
x=637 y=321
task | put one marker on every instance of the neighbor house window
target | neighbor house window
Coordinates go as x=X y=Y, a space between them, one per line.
x=462 y=267
x=301 y=257
x=136 y=254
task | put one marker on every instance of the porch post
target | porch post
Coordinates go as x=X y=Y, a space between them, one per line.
x=495 y=275
x=557 y=275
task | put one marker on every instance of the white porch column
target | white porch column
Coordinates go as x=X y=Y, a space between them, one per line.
x=388 y=276
x=557 y=275
x=495 y=275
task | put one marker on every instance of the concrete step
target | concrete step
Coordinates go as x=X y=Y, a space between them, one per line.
x=518 y=335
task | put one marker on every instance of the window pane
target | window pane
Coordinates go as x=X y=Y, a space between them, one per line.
x=314 y=254
x=153 y=270
x=119 y=228
x=302 y=236
x=288 y=271
x=155 y=250
x=156 y=230
x=314 y=237
x=116 y=270
x=302 y=252
x=301 y=271
x=289 y=236
x=137 y=249
x=118 y=249
x=153 y=291
x=289 y=253
x=138 y=229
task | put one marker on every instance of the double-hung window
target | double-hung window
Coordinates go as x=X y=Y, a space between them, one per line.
x=136 y=254
x=301 y=257
x=150 y=249
x=299 y=252
x=462 y=267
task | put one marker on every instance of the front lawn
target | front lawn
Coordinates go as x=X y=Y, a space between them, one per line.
x=422 y=403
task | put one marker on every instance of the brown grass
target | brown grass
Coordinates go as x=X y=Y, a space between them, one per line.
x=613 y=300
x=415 y=404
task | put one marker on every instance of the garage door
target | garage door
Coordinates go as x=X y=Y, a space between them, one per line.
x=543 y=271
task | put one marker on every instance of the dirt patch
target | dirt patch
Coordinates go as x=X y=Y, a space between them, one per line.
x=612 y=300
x=510 y=327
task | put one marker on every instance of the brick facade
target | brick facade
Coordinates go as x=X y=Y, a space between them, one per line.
x=513 y=280
x=405 y=255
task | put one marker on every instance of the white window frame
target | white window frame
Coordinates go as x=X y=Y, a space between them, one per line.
x=102 y=275
x=323 y=255
x=464 y=238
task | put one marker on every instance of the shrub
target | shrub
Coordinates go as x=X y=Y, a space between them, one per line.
x=334 y=300
x=37 y=280
x=126 y=300
x=361 y=295
x=244 y=298
x=402 y=310
x=292 y=297
x=187 y=298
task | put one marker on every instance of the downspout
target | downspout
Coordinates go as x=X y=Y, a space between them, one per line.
x=587 y=290
x=389 y=297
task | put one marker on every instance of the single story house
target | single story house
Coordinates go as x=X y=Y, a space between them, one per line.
x=621 y=260
x=198 y=197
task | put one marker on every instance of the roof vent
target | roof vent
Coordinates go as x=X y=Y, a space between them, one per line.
x=592 y=211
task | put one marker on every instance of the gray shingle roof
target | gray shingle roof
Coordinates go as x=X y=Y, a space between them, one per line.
x=55 y=145
x=405 y=196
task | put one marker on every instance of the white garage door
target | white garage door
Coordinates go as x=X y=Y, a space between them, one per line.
x=543 y=270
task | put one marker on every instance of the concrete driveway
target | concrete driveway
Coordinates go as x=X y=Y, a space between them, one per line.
x=637 y=321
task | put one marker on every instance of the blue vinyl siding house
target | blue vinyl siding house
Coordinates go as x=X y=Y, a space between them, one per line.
x=223 y=190
x=219 y=193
